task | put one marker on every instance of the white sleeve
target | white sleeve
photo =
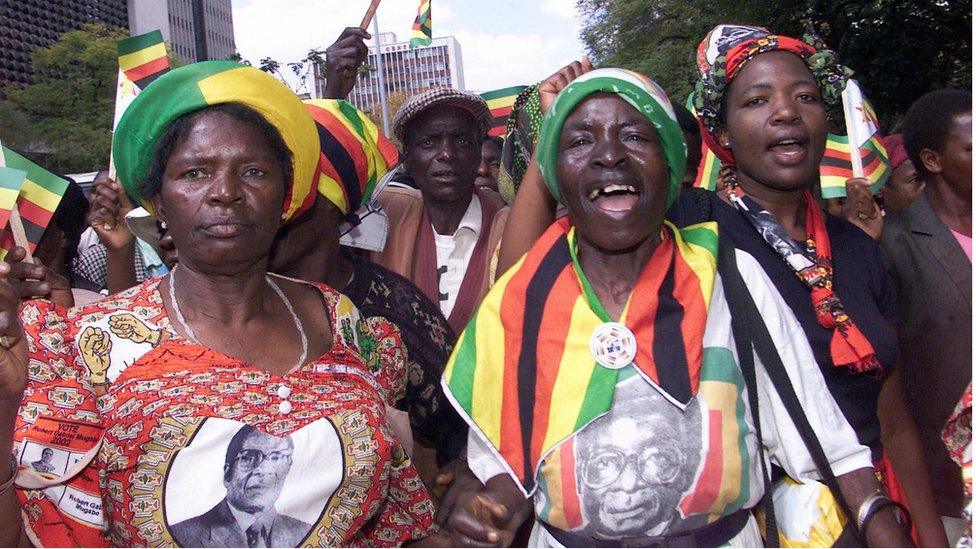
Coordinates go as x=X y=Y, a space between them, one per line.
x=481 y=460
x=780 y=436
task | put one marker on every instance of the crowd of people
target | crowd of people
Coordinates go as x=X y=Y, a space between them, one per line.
x=274 y=326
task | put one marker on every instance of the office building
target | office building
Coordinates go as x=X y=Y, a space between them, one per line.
x=196 y=30
x=408 y=70
x=26 y=25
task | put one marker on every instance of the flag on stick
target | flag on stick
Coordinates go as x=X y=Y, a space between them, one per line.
x=837 y=167
x=422 y=34
x=37 y=201
x=11 y=181
x=862 y=124
x=500 y=104
x=143 y=58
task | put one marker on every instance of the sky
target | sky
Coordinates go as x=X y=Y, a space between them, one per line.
x=503 y=42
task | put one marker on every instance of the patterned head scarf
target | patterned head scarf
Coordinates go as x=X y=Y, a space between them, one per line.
x=636 y=89
x=519 y=142
x=727 y=48
x=355 y=154
x=200 y=85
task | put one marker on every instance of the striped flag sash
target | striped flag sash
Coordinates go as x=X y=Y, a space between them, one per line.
x=836 y=169
x=37 y=201
x=422 y=33
x=500 y=104
x=143 y=58
x=522 y=372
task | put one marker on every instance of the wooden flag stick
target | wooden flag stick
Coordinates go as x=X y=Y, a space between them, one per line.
x=856 y=166
x=20 y=235
x=369 y=14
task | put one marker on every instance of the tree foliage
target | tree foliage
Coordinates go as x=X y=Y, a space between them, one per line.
x=899 y=49
x=64 y=119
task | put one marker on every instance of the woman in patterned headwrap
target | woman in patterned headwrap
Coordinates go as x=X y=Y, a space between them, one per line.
x=764 y=104
x=219 y=405
x=598 y=376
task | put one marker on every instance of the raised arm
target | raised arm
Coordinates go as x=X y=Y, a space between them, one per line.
x=13 y=380
x=534 y=209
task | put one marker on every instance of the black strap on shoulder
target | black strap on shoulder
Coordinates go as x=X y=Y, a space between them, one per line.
x=749 y=331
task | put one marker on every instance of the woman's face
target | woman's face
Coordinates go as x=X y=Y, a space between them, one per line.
x=775 y=122
x=222 y=193
x=612 y=172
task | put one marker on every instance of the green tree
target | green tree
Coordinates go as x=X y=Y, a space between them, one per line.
x=899 y=49
x=64 y=119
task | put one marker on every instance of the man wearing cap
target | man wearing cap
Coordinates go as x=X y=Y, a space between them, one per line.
x=443 y=234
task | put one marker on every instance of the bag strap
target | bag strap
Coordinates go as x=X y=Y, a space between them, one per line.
x=748 y=366
x=748 y=325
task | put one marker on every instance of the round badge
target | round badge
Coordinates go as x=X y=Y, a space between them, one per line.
x=613 y=345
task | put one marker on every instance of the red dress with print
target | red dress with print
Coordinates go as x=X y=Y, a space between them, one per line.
x=129 y=435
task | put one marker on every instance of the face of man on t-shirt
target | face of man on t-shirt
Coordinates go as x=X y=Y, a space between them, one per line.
x=633 y=467
x=443 y=153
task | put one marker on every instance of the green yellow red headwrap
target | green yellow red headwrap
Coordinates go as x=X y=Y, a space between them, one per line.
x=354 y=153
x=640 y=92
x=200 y=85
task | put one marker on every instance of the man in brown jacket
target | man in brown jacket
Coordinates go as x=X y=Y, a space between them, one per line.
x=444 y=233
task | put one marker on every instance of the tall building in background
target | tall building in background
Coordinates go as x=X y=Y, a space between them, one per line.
x=29 y=24
x=406 y=70
x=196 y=30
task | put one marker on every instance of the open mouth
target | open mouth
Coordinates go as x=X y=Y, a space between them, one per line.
x=788 y=150
x=615 y=197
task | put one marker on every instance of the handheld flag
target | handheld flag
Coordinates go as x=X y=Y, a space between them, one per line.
x=836 y=167
x=38 y=199
x=500 y=104
x=143 y=58
x=708 y=169
x=422 y=33
x=11 y=181
x=861 y=121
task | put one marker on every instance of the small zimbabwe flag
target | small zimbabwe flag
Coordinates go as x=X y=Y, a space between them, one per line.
x=143 y=58
x=708 y=169
x=39 y=198
x=500 y=104
x=422 y=33
x=11 y=181
x=836 y=169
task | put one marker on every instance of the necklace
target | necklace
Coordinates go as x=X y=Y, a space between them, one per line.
x=291 y=310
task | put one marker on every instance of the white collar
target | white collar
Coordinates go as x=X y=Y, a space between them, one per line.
x=471 y=219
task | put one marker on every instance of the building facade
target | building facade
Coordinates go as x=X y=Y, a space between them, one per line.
x=196 y=30
x=26 y=25
x=408 y=70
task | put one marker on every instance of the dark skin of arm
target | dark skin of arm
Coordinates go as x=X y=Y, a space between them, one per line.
x=13 y=380
x=900 y=439
x=534 y=209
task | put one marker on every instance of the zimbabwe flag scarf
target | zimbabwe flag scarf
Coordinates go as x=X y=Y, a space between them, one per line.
x=522 y=372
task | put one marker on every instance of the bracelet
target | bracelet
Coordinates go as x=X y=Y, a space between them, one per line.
x=870 y=507
x=14 y=466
